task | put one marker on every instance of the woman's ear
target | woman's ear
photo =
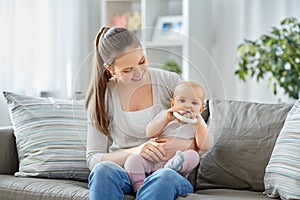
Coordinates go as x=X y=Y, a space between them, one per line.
x=109 y=68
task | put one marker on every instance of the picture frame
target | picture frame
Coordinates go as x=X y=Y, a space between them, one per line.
x=168 y=28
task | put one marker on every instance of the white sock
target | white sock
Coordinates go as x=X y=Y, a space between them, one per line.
x=175 y=163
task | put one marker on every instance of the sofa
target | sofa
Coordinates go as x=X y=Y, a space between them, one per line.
x=244 y=135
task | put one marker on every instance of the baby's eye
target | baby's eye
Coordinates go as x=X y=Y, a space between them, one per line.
x=181 y=100
x=195 y=103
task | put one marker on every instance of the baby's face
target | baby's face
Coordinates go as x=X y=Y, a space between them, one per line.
x=189 y=99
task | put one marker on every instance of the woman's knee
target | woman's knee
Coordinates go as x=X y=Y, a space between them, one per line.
x=166 y=175
x=106 y=177
x=105 y=165
x=161 y=179
x=105 y=169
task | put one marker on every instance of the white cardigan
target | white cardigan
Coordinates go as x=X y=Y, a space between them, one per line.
x=127 y=129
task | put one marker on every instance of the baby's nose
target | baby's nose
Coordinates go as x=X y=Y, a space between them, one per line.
x=188 y=107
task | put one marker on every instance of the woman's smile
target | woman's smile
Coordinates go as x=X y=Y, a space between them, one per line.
x=139 y=77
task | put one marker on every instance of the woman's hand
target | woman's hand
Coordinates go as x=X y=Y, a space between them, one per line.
x=153 y=151
x=171 y=145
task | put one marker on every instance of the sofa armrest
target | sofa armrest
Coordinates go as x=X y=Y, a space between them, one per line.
x=9 y=162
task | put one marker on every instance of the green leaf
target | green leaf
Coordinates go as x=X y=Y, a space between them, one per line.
x=269 y=54
x=172 y=66
x=274 y=89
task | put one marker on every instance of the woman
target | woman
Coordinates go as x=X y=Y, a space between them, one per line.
x=123 y=96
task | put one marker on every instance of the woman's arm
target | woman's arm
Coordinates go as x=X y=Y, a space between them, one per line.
x=96 y=147
x=171 y=145
x=97 y=150
x=150 y=150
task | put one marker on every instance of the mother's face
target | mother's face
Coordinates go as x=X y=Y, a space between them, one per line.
x=131 y=67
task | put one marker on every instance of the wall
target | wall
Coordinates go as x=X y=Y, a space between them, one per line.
x=219 y=27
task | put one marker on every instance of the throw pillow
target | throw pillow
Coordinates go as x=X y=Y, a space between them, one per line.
x=50 y=136
x=244 y=134
x=282 y=176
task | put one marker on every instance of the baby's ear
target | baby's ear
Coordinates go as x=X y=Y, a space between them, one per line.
x=202 y=108
x=171 y=102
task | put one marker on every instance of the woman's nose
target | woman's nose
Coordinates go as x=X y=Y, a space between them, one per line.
x=136 y=70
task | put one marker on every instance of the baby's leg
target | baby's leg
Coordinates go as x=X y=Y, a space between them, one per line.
x=191 y=160
x=137 y=167
x=176 y=162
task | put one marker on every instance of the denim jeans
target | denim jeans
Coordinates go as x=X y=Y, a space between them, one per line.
x=110 y=181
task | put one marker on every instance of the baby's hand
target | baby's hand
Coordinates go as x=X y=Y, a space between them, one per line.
x=170 y=111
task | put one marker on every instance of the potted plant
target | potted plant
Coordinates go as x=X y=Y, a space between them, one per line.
x=276 y=55
x=172 y=66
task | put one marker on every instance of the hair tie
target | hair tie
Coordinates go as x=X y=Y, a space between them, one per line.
x=100 y=34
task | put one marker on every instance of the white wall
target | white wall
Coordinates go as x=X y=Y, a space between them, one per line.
x=45 y=46
x=218 y=27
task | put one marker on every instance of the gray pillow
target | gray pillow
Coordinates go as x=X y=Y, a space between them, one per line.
x=244 y=135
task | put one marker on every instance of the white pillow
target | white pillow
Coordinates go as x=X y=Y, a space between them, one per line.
x=50 y=136
x=282 y=176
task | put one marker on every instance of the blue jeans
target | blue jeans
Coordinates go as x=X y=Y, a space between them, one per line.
x=110 y=181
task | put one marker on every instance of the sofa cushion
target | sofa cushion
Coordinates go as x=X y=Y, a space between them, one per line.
x=244 y=134
x=50 y=136
x=224 y=194
x=8 y=154
x=40 y=188
x=282 y=176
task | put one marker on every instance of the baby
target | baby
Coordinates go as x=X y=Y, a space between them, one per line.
x=182 y=120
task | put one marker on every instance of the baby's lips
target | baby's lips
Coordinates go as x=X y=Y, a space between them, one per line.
x=183 y=112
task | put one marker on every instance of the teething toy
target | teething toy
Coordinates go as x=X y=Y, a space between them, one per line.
x=185 y=116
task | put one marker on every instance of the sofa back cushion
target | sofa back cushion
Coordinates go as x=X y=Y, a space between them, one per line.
x=9 y=162
x=244 y=135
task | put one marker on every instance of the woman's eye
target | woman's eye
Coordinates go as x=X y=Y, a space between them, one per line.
x=127 y=70
x=142 y=62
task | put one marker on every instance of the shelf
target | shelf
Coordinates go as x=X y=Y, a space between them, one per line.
x=123 y=1
x=151 y=10
x=163 y=44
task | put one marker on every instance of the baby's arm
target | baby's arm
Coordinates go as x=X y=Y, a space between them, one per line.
x=203 y=139
x=156 y=126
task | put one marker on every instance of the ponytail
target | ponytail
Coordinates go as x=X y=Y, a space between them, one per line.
x=110 y=43
x=97 y=88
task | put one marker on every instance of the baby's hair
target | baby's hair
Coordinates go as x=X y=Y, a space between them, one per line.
x=192 y=85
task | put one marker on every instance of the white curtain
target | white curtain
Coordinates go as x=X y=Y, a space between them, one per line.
x=232 y=22
x=44 y=45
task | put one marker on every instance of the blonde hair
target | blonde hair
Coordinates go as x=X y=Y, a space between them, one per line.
x=192 y=85
x=110 y=43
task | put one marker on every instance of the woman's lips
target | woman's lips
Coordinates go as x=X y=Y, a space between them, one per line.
x=138 y=78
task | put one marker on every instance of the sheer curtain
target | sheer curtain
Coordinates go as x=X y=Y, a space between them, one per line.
x=44 y=45
x=232 y=22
